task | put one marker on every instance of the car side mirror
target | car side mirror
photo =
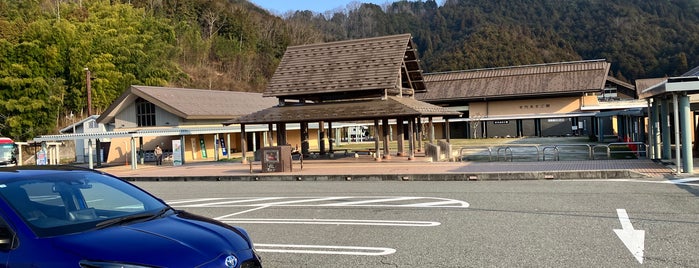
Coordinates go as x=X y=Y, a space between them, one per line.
x=7 y=238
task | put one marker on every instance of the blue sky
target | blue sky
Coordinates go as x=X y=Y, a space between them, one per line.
x=319 y=6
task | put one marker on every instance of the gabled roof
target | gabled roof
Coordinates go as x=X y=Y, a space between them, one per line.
x=322 y=70
x=69 y=129
x=191 y=103
x=517 y=81
x=391 y=107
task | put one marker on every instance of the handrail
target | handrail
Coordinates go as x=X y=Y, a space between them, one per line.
x=502 y=152
x=463 y=148
x=555 y=150
x=510 y=146
x=636 y=151
x=588 y=146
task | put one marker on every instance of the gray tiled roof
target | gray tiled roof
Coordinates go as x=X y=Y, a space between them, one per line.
x=643 y=84
x=192 y=103
x=517 y=81
x=346 y=66
x=692 y=72
x=391 y=107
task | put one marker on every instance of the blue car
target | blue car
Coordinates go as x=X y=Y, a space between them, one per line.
x=75 y=217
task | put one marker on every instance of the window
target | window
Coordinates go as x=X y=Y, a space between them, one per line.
x=145 y=113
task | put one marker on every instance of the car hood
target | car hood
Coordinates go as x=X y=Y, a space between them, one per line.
x=183 y=239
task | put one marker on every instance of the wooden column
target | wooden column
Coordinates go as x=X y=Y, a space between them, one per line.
x=270 y=129
x=305 y=146
x=411 y=139
x=431 y=129
x=331 y=139
x=377 y=138
x=418 y=133
x=243 y=144
x=400 y=137
x=447 y=130
x=323 y=138
x=386 y=137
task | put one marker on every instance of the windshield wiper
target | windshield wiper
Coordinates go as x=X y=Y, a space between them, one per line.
x=132 y=218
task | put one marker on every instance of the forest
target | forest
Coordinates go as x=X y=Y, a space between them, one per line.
x=46 y=46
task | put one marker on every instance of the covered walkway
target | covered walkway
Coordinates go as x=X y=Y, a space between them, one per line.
x=669 y=106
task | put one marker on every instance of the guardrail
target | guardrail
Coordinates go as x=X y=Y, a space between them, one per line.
x=557 y=150
x=636 y=148
x=469 y=148
x=506 y=152
x=509 y=148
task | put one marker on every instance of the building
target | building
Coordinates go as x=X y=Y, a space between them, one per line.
x=143 y=117
x=555 y=99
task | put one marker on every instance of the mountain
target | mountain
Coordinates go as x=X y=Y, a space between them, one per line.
x=640 y=38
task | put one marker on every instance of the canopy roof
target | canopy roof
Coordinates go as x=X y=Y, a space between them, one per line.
x=390 y=107
x=688 y=83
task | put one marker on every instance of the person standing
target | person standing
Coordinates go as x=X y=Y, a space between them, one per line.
x=158 y=155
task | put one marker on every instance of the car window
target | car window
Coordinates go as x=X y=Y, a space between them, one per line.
x=74 y=201
x=103 y=197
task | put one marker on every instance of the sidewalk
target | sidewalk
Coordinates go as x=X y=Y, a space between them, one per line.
x=399 y=168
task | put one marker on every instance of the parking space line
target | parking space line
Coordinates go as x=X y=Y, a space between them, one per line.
x=332 y=222
x=318 y=249
x=234 y=202
x=347 y=201
x=177 y=202
x=363 y=202
x=238 y=213
x=302 y=201
x=437 y=204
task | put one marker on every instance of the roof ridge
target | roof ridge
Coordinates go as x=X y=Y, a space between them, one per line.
x=350 y=41
x=520 y=66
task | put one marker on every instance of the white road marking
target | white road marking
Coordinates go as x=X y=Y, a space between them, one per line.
x=177 y=202
x=327 y=201
x=686 y=181
x=332 y=222
x=363 y=202
x=238 y=213
x=318 y=249
x=633 y=239
x=302 y=201
x=226 y=203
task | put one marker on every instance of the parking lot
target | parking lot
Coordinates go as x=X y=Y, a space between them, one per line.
x=452 y=224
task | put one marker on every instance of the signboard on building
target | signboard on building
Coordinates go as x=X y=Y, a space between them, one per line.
x=202 y=144
x=176 y=153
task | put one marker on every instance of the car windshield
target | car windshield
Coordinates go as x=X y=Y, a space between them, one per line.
x=76 y=201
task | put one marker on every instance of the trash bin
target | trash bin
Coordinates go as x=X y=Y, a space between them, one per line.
x=276 y=159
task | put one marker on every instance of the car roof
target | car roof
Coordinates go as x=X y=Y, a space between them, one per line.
x=26 y=171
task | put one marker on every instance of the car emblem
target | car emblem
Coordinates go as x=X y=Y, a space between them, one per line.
x=231 y=261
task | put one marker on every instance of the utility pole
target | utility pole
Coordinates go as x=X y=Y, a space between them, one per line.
x=89 y=91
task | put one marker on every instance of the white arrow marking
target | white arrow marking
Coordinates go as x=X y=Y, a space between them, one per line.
x=633 y=239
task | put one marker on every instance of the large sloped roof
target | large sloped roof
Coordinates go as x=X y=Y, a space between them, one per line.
x=347 y=66
x=191 y=103
x=390 y=107
x=517 y=81
x=687 y=83
x=643 y=84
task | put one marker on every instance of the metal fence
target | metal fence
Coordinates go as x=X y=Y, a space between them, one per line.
x=552 y=152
